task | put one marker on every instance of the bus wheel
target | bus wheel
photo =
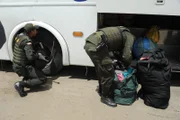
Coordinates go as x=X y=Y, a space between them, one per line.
x=54 y=63
x=52 y=50
x=46 y=43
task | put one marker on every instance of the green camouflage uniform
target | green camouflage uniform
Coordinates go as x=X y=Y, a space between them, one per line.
x=23 y=61
x=118 y=39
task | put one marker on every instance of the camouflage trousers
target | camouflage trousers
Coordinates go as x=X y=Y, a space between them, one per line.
x=103 y=66
x=32 y=76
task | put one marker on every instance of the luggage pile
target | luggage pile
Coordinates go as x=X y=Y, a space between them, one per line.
x=153 y=73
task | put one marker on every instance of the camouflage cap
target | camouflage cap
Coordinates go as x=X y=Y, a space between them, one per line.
x=29 y=27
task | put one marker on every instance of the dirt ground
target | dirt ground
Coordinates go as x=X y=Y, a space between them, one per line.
x=75 y=98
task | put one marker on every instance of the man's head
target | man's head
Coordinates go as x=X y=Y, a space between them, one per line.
x=30 y=29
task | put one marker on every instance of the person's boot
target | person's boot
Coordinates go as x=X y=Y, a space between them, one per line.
x=108 y=101
x=20 y=89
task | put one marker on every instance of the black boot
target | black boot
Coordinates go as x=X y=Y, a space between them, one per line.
x=108 y=101
x=20 y=88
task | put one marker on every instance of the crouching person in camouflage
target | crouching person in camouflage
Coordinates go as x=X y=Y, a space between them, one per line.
x=23 y=60
x=98 y=46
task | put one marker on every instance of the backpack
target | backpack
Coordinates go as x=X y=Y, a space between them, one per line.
x=153 y=34
x=125 y=92
x=154 y=74
x=141 y=45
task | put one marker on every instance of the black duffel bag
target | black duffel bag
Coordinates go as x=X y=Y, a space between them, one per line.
x=154 y=74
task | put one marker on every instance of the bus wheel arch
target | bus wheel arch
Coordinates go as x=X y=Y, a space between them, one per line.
x=44 y=27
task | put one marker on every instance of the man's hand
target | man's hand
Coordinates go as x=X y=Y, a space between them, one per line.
x=42 y=57
x=118 y=65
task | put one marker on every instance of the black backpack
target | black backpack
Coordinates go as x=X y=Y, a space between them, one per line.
x=154 y=74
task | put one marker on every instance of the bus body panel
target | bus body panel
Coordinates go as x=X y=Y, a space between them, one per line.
x=64 y=17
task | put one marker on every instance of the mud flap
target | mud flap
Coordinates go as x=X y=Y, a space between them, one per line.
x=49 y=66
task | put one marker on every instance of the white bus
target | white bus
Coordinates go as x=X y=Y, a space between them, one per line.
x=70 y=22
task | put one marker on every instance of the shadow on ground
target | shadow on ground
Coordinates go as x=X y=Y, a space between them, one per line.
x=6 y=66
x=71 y=71
x=78 y=72
x=175 y=81
x=42 y=88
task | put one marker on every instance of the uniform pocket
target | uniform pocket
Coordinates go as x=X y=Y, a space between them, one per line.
x=106 y=61
x=21 y=71
x=94 y=39
x=108 y=67
x=90 y=47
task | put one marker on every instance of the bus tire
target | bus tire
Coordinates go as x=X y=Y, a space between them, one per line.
x=54 y=66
